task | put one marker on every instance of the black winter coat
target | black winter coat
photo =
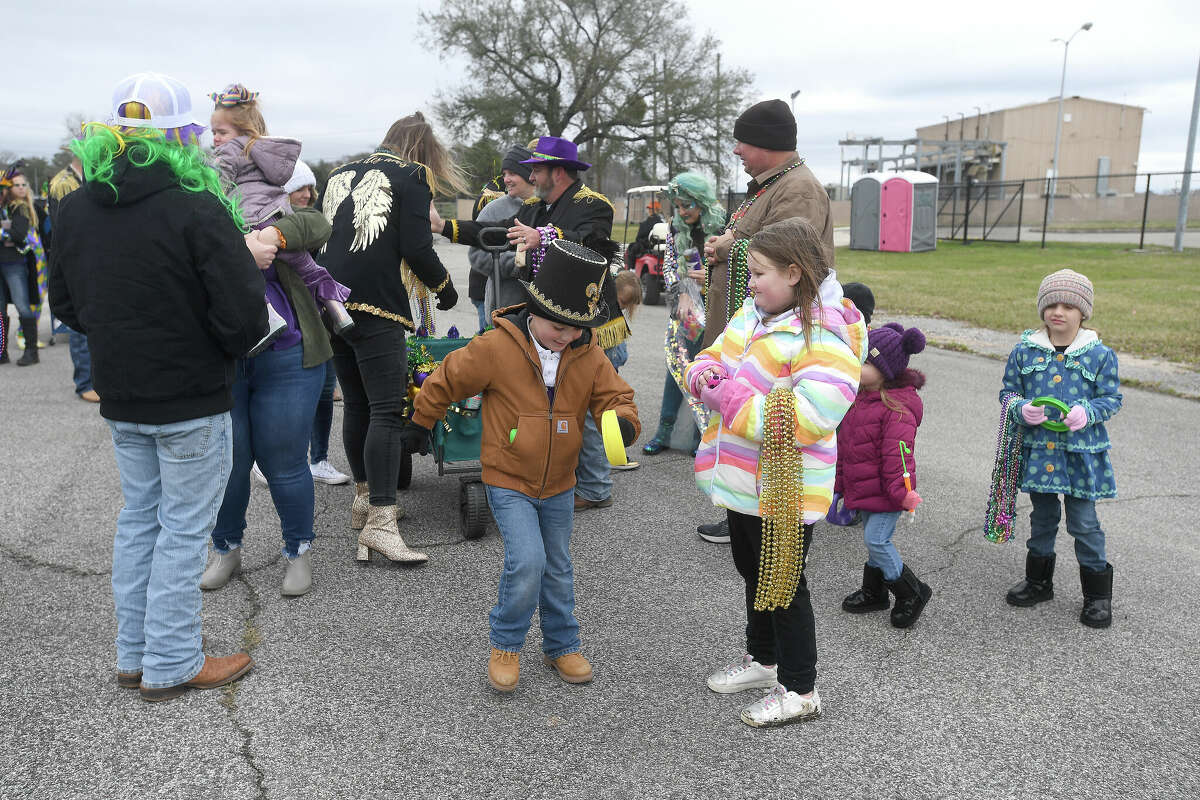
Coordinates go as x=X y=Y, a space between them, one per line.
x=161 y=281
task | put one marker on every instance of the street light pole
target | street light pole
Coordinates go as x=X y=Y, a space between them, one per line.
x=1087 y=26
x=1181 y=220
x=794 y=95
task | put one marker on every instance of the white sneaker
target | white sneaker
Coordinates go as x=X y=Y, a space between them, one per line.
x=781 y=707
x=742 y=674
x=256 y=475
x=324 y=472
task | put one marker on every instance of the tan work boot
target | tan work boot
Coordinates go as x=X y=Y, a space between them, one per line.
x=504 y=668
x=361 y=503
x=216 y=672
x=572 y=667
x=381 y=535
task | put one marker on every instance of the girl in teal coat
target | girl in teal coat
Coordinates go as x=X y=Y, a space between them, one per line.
x=1067 y=362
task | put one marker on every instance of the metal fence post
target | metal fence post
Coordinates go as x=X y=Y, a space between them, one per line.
x=987 y=195
x=1045 y=212
x=967 y=211
x=1020 y=210
x=1145 y=209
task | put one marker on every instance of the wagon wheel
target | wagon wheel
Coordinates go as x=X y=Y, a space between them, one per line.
x=650 y=289
x=473 y=509
x=405 y=476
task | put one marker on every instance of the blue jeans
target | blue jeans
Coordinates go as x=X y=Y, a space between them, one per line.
x=1081 y=523
x=16 y=277
x=274 y=400
x=878 y=527
x=173 y=477
x=318 y=442
x=593 y=475
x=81 y=357
x=537 y=571
x=481 y=311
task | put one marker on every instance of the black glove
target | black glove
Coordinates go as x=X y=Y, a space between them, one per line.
x=628 y=433
x=447 y=297
x=415 y=439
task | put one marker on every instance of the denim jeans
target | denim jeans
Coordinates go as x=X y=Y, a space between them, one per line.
x=173 y=477
x=593 y=475
x=878 y=527
x=318 y=442
x=537 y=571
x=274 y=400
x=481 y=311
x=785 y=636
x=1081 y=523
x=373 y=371
x=81 y=358
x=16 y=278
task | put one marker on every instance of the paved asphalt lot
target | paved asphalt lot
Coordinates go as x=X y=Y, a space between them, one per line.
x=373 y=684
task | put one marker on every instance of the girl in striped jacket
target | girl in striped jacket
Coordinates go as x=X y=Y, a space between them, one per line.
x=779 y=378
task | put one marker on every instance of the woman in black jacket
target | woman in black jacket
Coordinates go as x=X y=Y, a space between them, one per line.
x=17 y=218
x=382 y=248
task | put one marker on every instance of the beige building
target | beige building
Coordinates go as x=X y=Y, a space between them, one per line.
x=1098 y=138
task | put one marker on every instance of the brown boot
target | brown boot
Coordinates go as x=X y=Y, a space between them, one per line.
x=133 y=680
x=381 y=535
x=504 y=668
x=217 y=671
x=572 y=667
x=362 y=502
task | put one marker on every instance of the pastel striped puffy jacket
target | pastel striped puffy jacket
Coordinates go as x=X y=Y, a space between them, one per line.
x=823 y=376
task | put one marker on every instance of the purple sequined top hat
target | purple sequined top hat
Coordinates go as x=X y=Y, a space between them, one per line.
x=1069 y=287
x=556 y=152
x=889 y=347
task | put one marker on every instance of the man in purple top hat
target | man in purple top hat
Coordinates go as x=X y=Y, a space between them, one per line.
x=563 y=208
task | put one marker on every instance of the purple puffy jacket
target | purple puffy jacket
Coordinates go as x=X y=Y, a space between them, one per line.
x=869 y=472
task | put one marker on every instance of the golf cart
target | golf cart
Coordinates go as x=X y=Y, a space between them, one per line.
x=646 y=253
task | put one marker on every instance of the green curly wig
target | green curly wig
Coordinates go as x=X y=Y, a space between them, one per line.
x=102 y=144
x=694 y=187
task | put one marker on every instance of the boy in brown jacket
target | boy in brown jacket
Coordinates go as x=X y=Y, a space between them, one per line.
x=540 y=373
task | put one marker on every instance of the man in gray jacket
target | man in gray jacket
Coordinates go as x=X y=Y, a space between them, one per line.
x=518 y=189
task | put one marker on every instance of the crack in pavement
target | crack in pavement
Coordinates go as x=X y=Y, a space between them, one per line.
x=37 y=563
x=251 y=638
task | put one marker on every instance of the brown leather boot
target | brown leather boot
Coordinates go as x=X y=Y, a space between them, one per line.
x=572 y=667
x=217 y=671
x=381 y=535
x=133 y=680
x=504 y=668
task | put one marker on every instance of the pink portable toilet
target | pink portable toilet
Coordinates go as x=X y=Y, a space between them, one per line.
x=894 y=211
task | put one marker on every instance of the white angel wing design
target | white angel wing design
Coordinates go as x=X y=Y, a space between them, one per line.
x=372 y=204
x=336 y=191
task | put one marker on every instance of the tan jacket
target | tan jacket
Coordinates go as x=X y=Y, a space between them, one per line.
x=503 y=365
x=796 y=194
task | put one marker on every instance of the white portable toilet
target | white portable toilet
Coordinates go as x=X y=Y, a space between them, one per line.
x=894 y=211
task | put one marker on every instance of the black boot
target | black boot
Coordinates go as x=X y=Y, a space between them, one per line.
x=30 y=332
x=911 y=597
x=1097 y=597
x=873 y=596
x=1038 y=586
x=3 y=338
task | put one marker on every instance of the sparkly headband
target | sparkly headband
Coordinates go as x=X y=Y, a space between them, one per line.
x=233 y=95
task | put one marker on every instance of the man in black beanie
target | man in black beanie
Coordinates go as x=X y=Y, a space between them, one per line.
x=780 y=187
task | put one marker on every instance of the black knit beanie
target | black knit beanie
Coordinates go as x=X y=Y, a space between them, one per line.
x=512 y=162
x=769 y=125
x=862 y=297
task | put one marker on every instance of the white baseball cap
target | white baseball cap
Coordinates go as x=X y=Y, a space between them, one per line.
x=168 y=101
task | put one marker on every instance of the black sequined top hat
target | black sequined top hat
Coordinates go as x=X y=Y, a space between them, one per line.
x=567 y=287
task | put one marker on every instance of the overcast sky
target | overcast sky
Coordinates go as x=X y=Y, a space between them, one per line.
x=335 y=74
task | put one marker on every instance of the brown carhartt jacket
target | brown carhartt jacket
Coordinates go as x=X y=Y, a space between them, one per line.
x=503 y=365
x=796 y=194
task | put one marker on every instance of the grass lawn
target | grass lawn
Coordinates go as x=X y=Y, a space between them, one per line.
x=1146 y=303
x=1122 y=225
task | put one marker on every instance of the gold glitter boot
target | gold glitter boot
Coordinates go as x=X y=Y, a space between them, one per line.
x=381 y=535
x=362 y=502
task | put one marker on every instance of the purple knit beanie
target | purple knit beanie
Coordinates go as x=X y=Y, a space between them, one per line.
x=889 y=347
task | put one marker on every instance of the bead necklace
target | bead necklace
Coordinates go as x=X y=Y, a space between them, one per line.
x=548 y=233
x=744 y=208
x=739 y=277
x=1006 y=474
x=781 y=504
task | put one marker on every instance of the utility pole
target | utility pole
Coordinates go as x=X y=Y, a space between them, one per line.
x=654 y=119
x=1049 y=215
x=1181 y=220
x=718 y=156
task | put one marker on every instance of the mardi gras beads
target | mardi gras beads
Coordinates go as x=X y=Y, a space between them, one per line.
x=739 y=277
x=548 y=233
x=744 y=208
x=1006 y=474
x=781 y=504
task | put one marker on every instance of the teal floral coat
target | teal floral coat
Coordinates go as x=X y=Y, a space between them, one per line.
x=1074 y=463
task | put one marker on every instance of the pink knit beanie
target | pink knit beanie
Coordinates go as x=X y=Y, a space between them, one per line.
x=1066 y=286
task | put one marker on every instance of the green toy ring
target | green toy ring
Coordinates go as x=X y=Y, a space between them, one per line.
x=1055 y=403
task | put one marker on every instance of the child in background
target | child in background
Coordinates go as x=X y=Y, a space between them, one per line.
x=863 y=298
x=1066 y=361
x=876 y=469
x=629 y=297
x=779 y=379
x=540 y=374
x=259 y=167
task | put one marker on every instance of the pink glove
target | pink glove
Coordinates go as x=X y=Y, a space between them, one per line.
x=696 y=384
x=1076 y=418
x=1033 y=415
x=711 y=395
x=733 y=397
x=911 y=501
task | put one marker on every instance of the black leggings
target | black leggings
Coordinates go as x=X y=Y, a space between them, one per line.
x=785 y=636
x=373 y=371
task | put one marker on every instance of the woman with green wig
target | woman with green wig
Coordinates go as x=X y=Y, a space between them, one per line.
x=697 y=216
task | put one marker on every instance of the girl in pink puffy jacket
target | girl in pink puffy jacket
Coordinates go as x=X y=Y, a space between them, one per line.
x=876 y=469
